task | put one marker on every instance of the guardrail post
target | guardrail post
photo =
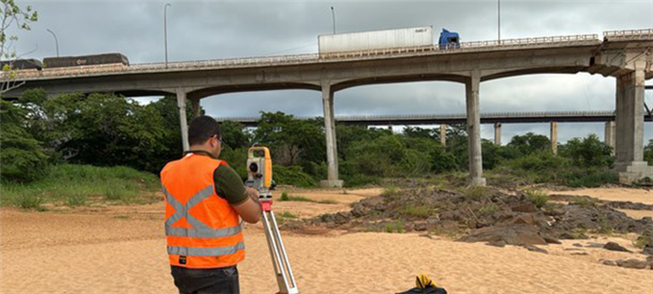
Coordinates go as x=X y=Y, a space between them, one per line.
x=330 y=132
x=472 y=86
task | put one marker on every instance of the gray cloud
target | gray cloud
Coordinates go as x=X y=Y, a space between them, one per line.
x=226 y=29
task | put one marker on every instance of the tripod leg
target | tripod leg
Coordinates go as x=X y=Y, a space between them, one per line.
x=277 y=262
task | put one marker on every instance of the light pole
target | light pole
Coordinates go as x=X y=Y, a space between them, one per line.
x=56 y=42
x=165 y=31
x=333 y=16
x=499 y=22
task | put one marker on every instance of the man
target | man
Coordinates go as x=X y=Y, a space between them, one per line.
x=204 y=200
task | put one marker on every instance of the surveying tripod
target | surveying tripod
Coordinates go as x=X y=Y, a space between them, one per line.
x=259 y=177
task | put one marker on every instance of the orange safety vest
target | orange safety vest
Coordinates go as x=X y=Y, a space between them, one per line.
x=202 y=229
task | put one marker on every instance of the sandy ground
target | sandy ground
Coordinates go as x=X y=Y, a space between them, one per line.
x=122 y=250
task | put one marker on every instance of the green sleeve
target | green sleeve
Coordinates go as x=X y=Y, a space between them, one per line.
x=228 y=185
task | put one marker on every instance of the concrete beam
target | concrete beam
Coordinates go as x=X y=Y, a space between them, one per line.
x=330 y=132
x=497 y=134
x=472 y=86
x=181 y=104
x=629 y=144
x=609 y=138
x=443 y=135
x=554 y=137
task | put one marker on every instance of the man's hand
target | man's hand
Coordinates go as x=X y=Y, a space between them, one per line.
x=253 y=194
x=250 y=210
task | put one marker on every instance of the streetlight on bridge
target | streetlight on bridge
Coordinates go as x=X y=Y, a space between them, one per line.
x=333 y=16
x=56 y=42
x=165 y=31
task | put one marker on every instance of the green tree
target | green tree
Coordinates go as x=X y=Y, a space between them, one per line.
x=530 y=143
x=20 y=154
x=12 y=15
x=291 y=140
x=588 y=152
x=648 y=152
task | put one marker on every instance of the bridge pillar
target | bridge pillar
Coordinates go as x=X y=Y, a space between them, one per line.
x=331 y=144
x=629 y=143
x=497 y=134
x=609 y=134
x=443 y=135
x=554 y=137
x=196 y=107
x=181 y=104
x=472 y=86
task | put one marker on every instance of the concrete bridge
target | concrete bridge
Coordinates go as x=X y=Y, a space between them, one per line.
x=625 y=55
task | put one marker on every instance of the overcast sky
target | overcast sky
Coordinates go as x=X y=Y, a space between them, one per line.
x=220 y=29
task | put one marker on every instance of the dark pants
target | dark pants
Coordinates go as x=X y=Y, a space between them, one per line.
x=206 y=281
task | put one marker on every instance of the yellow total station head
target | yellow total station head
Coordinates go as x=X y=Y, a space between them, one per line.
x=259 y=167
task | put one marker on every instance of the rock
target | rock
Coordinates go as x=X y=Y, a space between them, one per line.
x=632 y=263
x=615 y=247
x=555 y=211
x=525 y=207
x=580 y=253
x=578 y=245
x=609 y=262
x=497 y=243
x=420 y=226
x=513 y=235
x=595 y=245
x=648 y=251
x=525 y=219
x=551 y=240
x=535 y=249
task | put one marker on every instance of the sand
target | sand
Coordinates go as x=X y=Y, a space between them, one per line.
x=122 y=250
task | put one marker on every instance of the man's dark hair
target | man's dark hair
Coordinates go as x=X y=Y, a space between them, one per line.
x=203 y=128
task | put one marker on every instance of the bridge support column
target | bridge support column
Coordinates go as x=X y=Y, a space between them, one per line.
x=554 y=137
x=629 y=143
x=609 y=134
x=331 y=144
x=181 y=104
x=443 y=135
x=497 y=134
x=472 y=86
x=196 y=107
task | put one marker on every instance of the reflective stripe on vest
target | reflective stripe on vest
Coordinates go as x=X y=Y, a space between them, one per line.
x=199 y=230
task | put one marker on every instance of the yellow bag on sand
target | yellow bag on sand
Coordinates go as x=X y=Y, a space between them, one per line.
x=424 y=285
x=423 y=281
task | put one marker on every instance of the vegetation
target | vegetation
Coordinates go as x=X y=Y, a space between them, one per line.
x=538 y=198
x=91 y=184
x=42 y=137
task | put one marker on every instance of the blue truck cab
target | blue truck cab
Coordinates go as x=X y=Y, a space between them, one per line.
x=449 y=39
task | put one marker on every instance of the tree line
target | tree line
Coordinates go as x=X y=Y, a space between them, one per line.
x=103 y=129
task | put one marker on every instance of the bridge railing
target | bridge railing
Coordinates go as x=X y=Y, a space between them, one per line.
x=628 y=35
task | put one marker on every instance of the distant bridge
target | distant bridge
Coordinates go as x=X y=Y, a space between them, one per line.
x=436 y=119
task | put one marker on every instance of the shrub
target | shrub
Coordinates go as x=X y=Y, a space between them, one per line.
x=292 y=175
x=588 y=152
x=589 y=178
x=416 y=211
x=488 y=208
x=29 y=201
x=474 y=193
x=538 y=198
